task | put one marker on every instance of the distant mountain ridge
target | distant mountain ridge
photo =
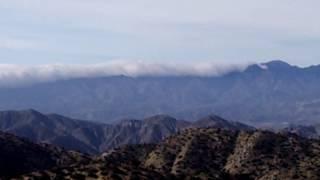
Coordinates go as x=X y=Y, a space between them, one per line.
x=312 y=132
x=93 y=137
x=262 y=94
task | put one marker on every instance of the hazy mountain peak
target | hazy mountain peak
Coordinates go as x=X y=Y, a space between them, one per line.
x=256 y=68
x=28 y=113
x=218 y=122
x=130 y=122
x=160 y=119
x=210 y=120
x=215 y=117
x=277 y=64
x=274 y=66
x=31 y=111
x=302 y=130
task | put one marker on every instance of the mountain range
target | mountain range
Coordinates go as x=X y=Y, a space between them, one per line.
x=93 y=138
x=267 y=94
x=196 y=153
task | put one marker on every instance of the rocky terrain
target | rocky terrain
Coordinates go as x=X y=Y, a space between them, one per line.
x=203 y=153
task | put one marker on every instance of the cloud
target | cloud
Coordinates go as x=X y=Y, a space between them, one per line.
x=18 y=75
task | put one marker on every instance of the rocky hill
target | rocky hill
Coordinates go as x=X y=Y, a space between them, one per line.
x=205 y=153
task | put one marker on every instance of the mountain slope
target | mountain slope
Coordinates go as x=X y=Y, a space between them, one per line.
x=18 y=156
x=55 y=129
x=262 y=94
x=265 y=155
x=206 y=154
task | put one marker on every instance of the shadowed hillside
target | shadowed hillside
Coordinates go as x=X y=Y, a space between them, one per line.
x=17 y=156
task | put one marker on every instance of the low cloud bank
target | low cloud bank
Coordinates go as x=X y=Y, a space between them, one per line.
x=18 y=75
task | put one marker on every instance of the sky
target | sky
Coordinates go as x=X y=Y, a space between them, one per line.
x=37 y=32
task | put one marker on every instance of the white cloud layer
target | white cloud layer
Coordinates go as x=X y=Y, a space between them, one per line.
x=18 y=75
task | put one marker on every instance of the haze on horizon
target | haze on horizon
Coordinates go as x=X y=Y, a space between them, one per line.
x=98 y=31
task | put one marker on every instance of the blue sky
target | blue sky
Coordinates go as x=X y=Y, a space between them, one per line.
x=179 y=31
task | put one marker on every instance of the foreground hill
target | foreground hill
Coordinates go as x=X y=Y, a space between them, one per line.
x=93 y=137
x=204 y=154
x=17 y=156
x=270 y=93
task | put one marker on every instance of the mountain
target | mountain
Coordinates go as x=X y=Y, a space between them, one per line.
x=85 y=136
x=18 y=156
x=263 y=94
x=91 y=137
x=304 y=131
x=55 y=129
x=218 y=122
x=204 y=153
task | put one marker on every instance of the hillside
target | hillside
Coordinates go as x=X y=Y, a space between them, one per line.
x=205 y=153
x=274 y=92
x=18 y=156
x=55 y=129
